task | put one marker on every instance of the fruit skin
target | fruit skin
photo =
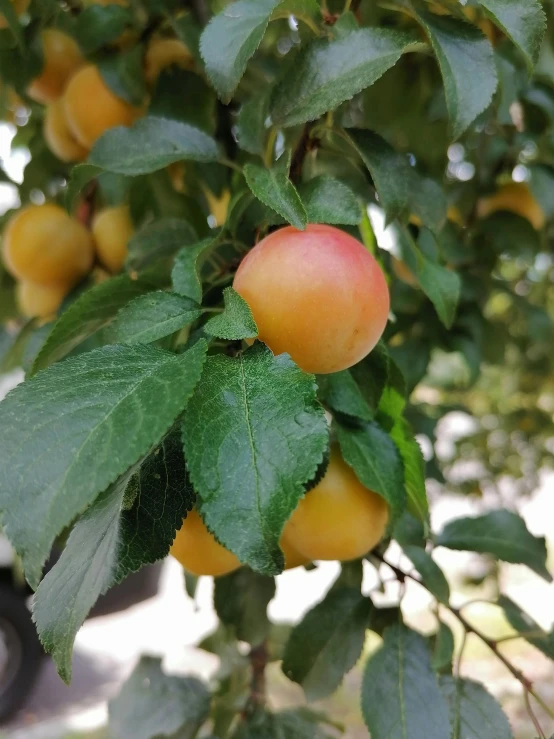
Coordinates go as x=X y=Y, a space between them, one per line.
x=162 y=53
x=39 y=301
x=62 y=58
x=44 y=245
x=91 y=108
x=112 y=228
x=293 y=558
x=516 y=198
x=59 y=137
x=198 y=551
x=317 y=294
x=20 y=6
x=340 y=518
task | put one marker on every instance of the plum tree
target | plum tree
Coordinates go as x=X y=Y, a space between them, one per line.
x=162 y=53
x=44 y=245
x=88 y=122
x=515 y=197
x=62 y=58
x=59 y=137
x=198 y=551
x=112 y=228
x=39 y=301
x=340 y=518
x=330 y=279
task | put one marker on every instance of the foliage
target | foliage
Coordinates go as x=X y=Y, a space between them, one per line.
x=146 y=393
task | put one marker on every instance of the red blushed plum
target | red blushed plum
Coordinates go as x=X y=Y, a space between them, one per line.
x=317 y=294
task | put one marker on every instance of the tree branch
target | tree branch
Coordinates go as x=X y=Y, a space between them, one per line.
x=258 y=662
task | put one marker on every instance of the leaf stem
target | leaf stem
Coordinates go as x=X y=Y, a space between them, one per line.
x=229 y=163
x=270 y=147
x=531 y=713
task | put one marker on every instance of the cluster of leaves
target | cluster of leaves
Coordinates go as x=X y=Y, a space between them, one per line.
x=306 y=113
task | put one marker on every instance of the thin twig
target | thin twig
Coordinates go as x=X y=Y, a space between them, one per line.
x=534 y=719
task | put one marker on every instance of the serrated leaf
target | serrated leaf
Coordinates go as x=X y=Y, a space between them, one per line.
x=398 y=682
x=414 y=468
x=474 y=713
x=427 y=201
x=251 y=124
x=431 y=574
x=151 y=144
x=523 y=21
x=443 y=651
x=92 y=311
x=256 y=444
x=56 y=433
x=375 y=459
x=328 y=642
x=327 y=73
x=159 y=240
x=185 y=275
x=466 y=61
x=123 y=73
x=112 y=539
x=236 y=322
x=97 y=25
x=328 y=200
x=340 y=392
x=296 y=723
x=151 y=317
x=230 y=39
x=274 y=189
x=525 y=625
x=501 y=533
x=153 y=704
x=241 y=600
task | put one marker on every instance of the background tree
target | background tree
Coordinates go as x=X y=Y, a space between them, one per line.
x=168 y=139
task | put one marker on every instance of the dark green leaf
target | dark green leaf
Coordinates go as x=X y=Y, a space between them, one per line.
x=184 y=96
x=256 y=444
x=523 y=21
x=123 y=74
x=241 y=601
x=371 y=375
x=409 y=531
x=340 y=392
x=274 y=189
x=375 y=459
x=524 y=624
x=153 y=704
x=474 y=713
x=98 y=25
x=185 y=275
x=151 y=317
x=443 y=651
x=251 y=124
x=81 y=175
x=8 y=11
x=236 y=322
x=326 y=73
x=328 y=642
x=431 y=574
x=502 y=534
x=400 y=694
x=132 y=524
x=159 y=240
x=151 y=144
x=328 y=200
x=93 y=310
x=230 y=39
x=56 y=435
x=467 y=65
x=414 y=468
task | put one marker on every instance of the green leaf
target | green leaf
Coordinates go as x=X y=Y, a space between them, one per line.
x=92 y=311
x=400 y=694
x=241 y=601
x=184 y=96
x=375 y=459
x=151 y=317
x=236 y=322
x=431 y=574
x=230 y=39
x=153 y=704
x=501 y=533
x=123 y=73
x=328 y=642
x=414 y=468
x=185 y=275
x=7 y=10
x=274 y=189
x=256 y=444
x=340 y=392
x=81 y=175
x=296 y=723
x=443 y=652
x=466 y=60
x=326 y=73
x=523 y=21
x=151 y=144
x=98 y=25
x=474 y=713
x=524 y=624
x=251 y=124
x=159 y=240
x=328 y=200
x=57 y=431
x=131 y=524
x=372 y=373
